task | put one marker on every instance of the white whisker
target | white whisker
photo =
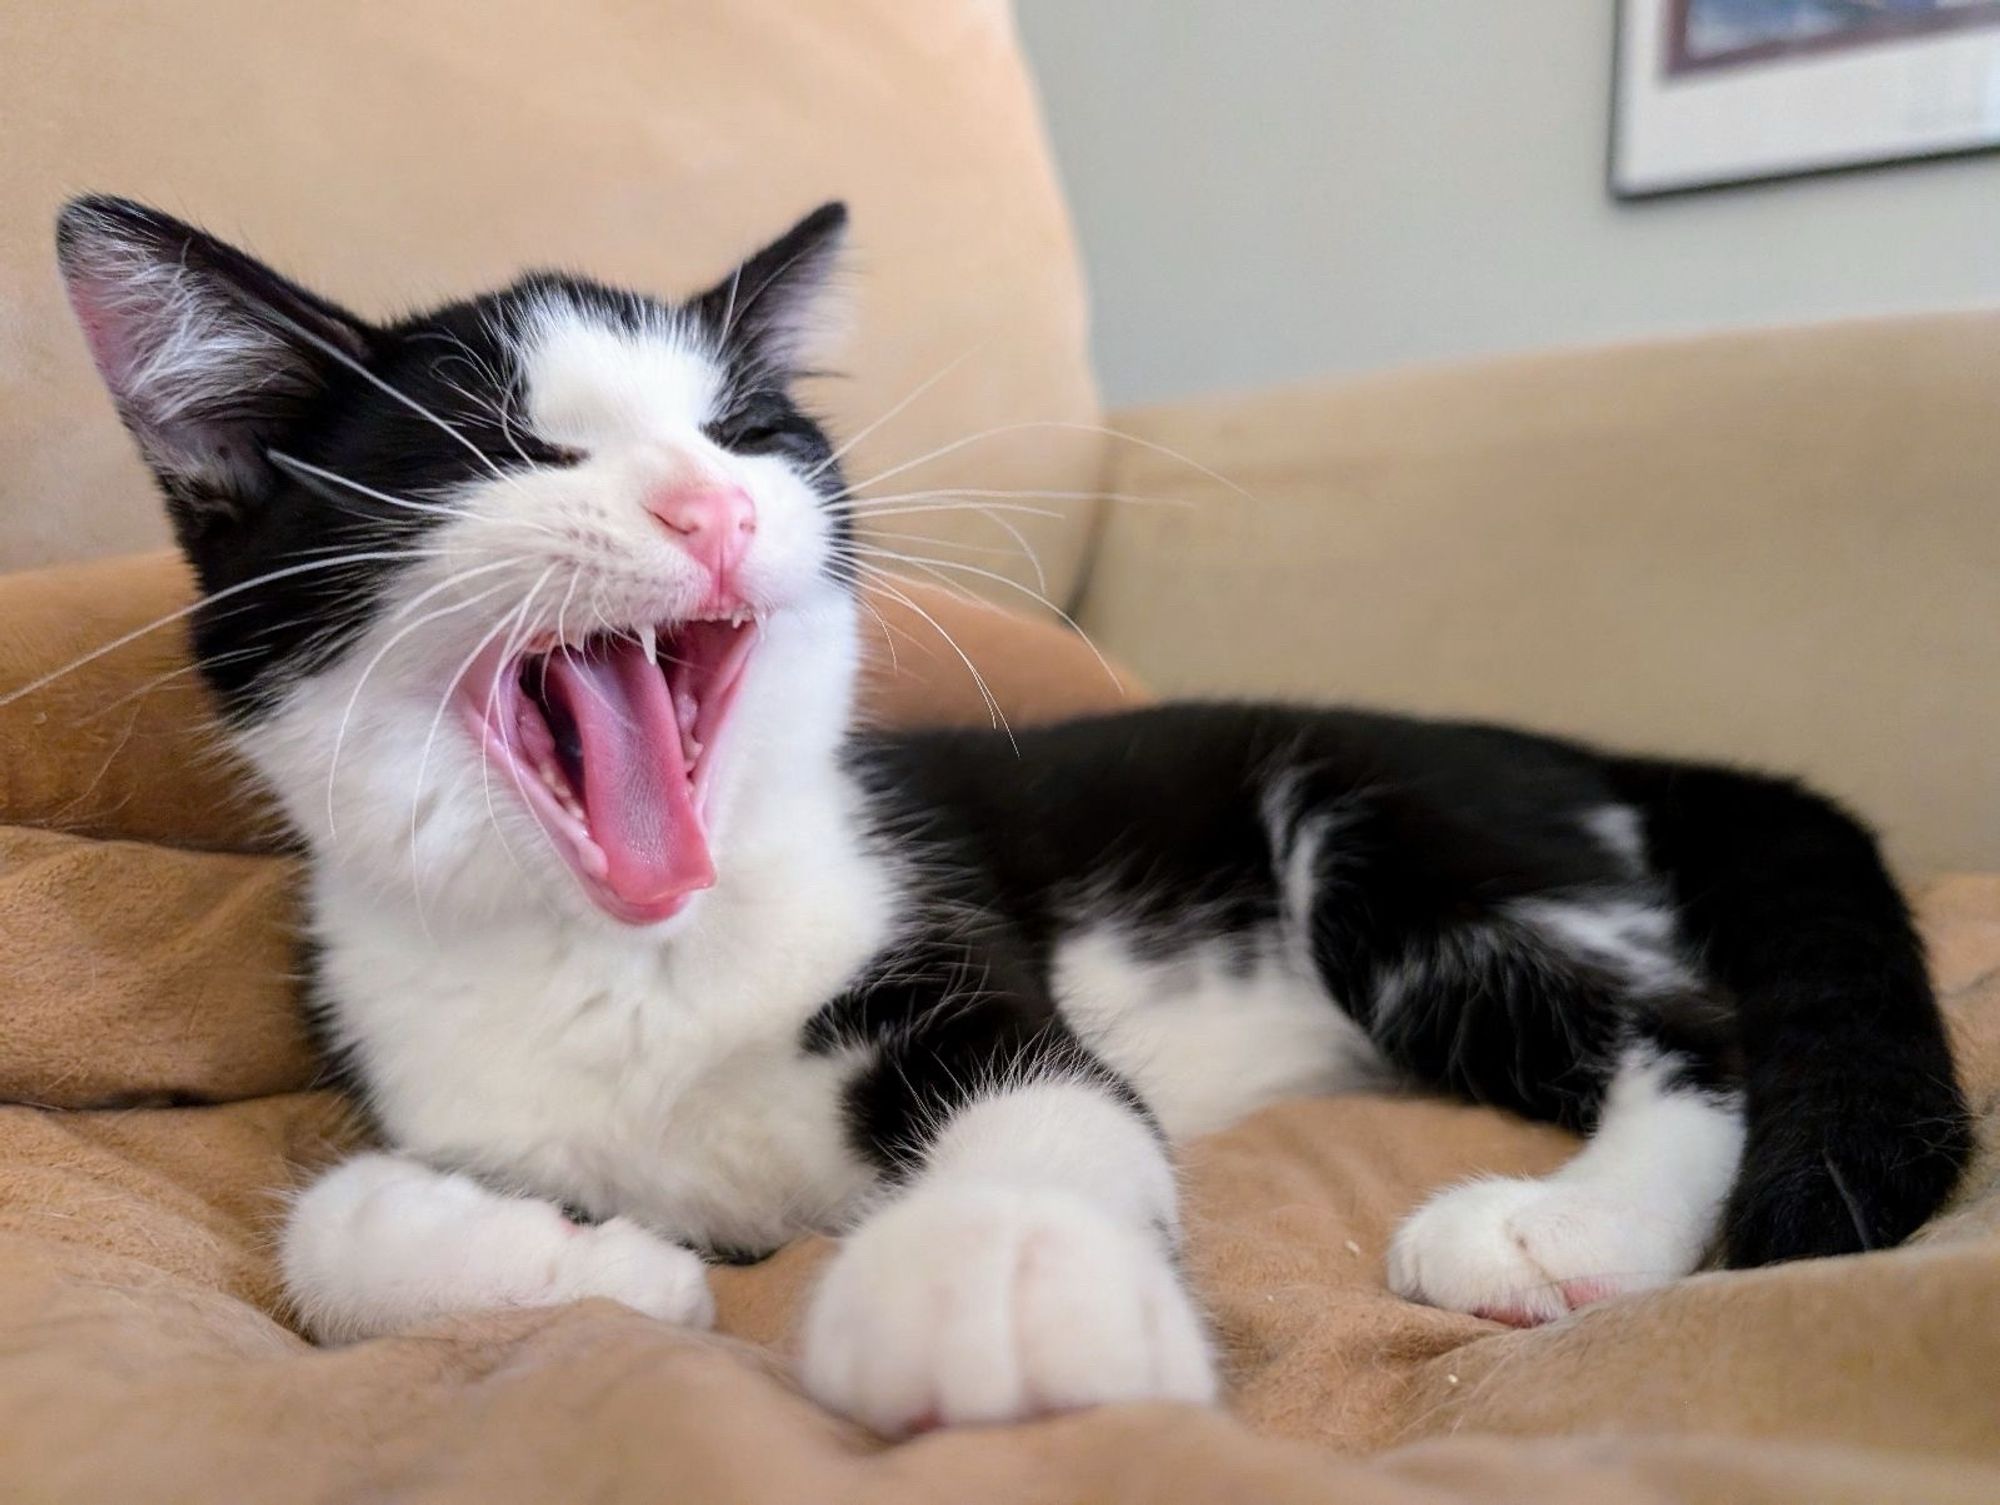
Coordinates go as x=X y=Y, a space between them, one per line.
x=430 y=738
x=235 y=655
x=1054 y=423
x=302 y=468
x=327 y=348
x=932 y=567
x=915 y=508
x=911 y=396
x=193 y=606
x=340 y=734
x=994 y=713
x=507 y=653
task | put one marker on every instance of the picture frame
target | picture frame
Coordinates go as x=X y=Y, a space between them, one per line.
x=1713 y=93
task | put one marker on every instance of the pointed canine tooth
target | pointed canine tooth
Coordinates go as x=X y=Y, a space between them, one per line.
x=649 y=639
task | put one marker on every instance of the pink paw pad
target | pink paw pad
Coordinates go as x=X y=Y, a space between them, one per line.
x=1511 y=1316
x=1578 y=1293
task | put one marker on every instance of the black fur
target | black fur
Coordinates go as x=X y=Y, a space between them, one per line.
x=957 y=1008
x=1858 y=1129
x=1812 y=1000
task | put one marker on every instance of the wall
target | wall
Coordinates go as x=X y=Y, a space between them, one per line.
x=1278 y=188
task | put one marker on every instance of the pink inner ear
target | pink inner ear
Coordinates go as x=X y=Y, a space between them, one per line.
x=107 y=331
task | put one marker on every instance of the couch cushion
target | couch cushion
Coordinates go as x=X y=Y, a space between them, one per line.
x=397 y=153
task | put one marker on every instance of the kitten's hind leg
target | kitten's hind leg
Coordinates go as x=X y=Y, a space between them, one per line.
x=1638 y=1207
x=383 y=1242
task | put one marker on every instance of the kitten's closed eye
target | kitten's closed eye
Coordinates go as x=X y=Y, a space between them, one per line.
x=542 y=452
x=759 y=425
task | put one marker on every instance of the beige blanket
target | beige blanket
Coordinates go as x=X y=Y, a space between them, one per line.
x=157 y=1104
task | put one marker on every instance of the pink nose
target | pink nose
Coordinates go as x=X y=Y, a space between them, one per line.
x=713 y=523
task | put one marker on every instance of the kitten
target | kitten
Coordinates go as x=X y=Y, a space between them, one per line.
x=538 y=614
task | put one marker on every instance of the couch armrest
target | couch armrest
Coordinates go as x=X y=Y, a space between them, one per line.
x=1780 y=547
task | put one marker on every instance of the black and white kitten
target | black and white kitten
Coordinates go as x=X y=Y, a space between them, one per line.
x=537 y=613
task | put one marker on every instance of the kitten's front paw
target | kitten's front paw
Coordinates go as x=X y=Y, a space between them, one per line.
x=1526 y=1252
x=627 y=1263
x=987 y=1304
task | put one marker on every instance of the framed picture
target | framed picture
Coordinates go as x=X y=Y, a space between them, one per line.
x=1709 y=92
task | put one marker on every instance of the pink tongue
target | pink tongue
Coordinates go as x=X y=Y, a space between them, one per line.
x=636 y=797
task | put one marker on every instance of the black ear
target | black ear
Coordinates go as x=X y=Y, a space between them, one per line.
x=209 y=354
x=775 y=311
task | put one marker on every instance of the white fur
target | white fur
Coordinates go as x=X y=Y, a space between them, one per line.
x=1633 y=938
x=1618 y=830
x=1638 y=1207
x=1203 y=1040
x=1028 y=1270
x=1418 y=979
x=591 y=384
x=1221 y=1029
x=384 y=1242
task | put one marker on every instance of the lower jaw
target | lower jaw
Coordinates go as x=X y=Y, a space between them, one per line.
x=641 y=915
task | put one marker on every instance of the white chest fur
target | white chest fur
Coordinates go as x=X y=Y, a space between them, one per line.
x=658 y=1077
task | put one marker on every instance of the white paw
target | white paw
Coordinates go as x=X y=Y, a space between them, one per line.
x=988 y=1304
x=625 y=1262
x=1525 y=1252
x=382 y=1243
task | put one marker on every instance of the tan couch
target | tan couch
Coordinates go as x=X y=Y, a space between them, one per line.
x=1777 y=547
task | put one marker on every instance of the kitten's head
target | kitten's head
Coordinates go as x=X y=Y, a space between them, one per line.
x=515 y=595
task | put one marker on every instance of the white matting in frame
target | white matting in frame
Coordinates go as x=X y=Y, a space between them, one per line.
x=1731 y=91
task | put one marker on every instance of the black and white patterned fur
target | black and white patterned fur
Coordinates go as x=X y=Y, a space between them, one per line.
x=948 y=996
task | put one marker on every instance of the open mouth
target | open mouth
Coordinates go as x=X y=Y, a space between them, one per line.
x=612 y=743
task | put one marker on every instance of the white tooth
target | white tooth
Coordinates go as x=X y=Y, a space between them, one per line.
x=649 y=639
